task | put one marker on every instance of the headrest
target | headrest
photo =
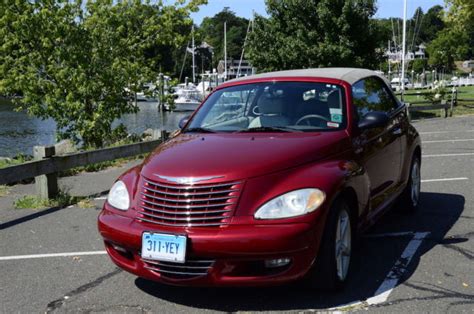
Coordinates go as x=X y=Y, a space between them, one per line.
x=334 y=99
x=270 y=105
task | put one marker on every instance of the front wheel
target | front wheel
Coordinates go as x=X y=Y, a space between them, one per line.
x=410 y=197
x=333 y=262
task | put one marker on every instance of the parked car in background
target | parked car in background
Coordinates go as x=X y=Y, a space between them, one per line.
x=269 y=181
x=396 y=83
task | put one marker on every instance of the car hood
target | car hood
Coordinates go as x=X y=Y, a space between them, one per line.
x=238 y=156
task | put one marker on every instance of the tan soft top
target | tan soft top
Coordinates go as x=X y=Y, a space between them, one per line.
x=350 y=75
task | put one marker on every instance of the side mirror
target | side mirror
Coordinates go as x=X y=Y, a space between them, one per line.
x=183 y=122
x=374 y=119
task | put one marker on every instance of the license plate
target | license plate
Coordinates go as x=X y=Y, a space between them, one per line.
x=164 y=247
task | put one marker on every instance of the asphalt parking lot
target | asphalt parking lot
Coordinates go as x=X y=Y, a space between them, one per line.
x=53 y=260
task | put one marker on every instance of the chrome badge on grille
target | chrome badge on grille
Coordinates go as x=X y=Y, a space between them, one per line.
x=187 y=180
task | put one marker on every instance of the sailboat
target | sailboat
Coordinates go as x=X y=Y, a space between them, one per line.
x=187 y=95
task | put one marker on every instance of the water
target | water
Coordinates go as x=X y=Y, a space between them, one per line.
x=19 y=132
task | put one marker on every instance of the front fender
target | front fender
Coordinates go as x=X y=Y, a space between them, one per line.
x=332 y=177
x=130 y=178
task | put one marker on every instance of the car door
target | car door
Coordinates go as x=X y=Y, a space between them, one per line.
x=378 y=149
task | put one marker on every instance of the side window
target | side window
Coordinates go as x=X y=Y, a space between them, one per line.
x=371 y=94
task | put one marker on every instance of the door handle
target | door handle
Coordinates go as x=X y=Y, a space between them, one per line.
x=397 y=131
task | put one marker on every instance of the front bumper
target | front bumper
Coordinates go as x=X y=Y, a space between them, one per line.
x=232 y=255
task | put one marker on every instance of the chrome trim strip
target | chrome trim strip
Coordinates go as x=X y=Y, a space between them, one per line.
x=175 y=272
x=210 y=261
x=182 y=218
x=177 y=266
x=191 y=194
x=194 y=224
x=187 y=180
x=187 y=200
x=187 y=206
x=192 y=187
x=188 y=212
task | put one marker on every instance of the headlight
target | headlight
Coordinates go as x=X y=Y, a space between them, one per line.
x=294 y=203
x=118 y=196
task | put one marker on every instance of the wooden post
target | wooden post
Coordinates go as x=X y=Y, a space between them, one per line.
x=164 y=135
x=453 y=100
x=443 y=102
x=46 y=185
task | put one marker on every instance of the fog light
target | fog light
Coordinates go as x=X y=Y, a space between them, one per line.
x=119 y=248
x=278 y=262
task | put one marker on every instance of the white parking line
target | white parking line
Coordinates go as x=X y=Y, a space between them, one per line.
x=101 y=198
x=444 y=179
x=443 y=132
x=18 y=257
x=393 y=276
x=448 y=141
x=397 y=271
x=391 y=234
x=448 y=155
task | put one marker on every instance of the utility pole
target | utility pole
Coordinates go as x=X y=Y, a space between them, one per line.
x=194 y=65
x=404 y=44
x=225 y=51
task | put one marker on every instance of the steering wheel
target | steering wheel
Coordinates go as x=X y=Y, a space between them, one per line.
x=311 y=116
x=256 y=111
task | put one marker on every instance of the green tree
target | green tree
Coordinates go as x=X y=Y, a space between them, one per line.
x=460 y=18
x=314 y=33
x=212 y=31
x=450 y=45
x=74 y=61
x=431 y=24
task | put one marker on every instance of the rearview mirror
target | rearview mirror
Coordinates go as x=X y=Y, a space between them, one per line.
x=183 y=122
x=374 y=119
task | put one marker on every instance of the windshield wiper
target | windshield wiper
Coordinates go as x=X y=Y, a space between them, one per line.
x=199 y=130
x=268 y=129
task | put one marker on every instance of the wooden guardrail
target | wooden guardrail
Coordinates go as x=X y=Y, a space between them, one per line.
x=47 y=165
x=448 y=105
x=428 y=105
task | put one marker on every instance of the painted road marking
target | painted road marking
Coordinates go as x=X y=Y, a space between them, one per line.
x=19 y=257
x=443 y=132
x=445 y=179
x=101 y=198
x=448 y=155
x=391 y=234
x=395 y=273
x=447 y=141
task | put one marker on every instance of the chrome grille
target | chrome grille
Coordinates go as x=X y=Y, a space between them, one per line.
x=188 y=205
x=190 y=269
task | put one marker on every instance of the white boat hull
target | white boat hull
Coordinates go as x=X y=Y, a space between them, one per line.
x=186 y=106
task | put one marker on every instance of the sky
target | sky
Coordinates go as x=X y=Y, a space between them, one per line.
x=244 y=8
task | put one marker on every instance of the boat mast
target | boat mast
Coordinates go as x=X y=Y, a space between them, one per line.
x=194 y=65
x=243 y=48
x=404 y=44
x=225 y=51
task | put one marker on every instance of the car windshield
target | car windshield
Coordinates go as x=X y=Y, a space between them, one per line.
x=272 y=107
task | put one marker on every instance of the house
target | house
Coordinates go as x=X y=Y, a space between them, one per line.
x=233 y=70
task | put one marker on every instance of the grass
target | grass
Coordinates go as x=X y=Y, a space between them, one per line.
x=4 y=190
x=62 y=200
x=99 y=166
x=18 y=159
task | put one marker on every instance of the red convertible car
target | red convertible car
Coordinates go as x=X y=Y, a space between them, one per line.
x=269 y=181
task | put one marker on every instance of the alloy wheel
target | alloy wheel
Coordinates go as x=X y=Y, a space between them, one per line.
x=343 y=244
x=415 y=183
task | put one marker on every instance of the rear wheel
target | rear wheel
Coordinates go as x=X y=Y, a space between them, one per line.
x=333 y=262
x=410 y=197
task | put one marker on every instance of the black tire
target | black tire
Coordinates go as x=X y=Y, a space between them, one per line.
x=324 y=274
x=408 y=202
